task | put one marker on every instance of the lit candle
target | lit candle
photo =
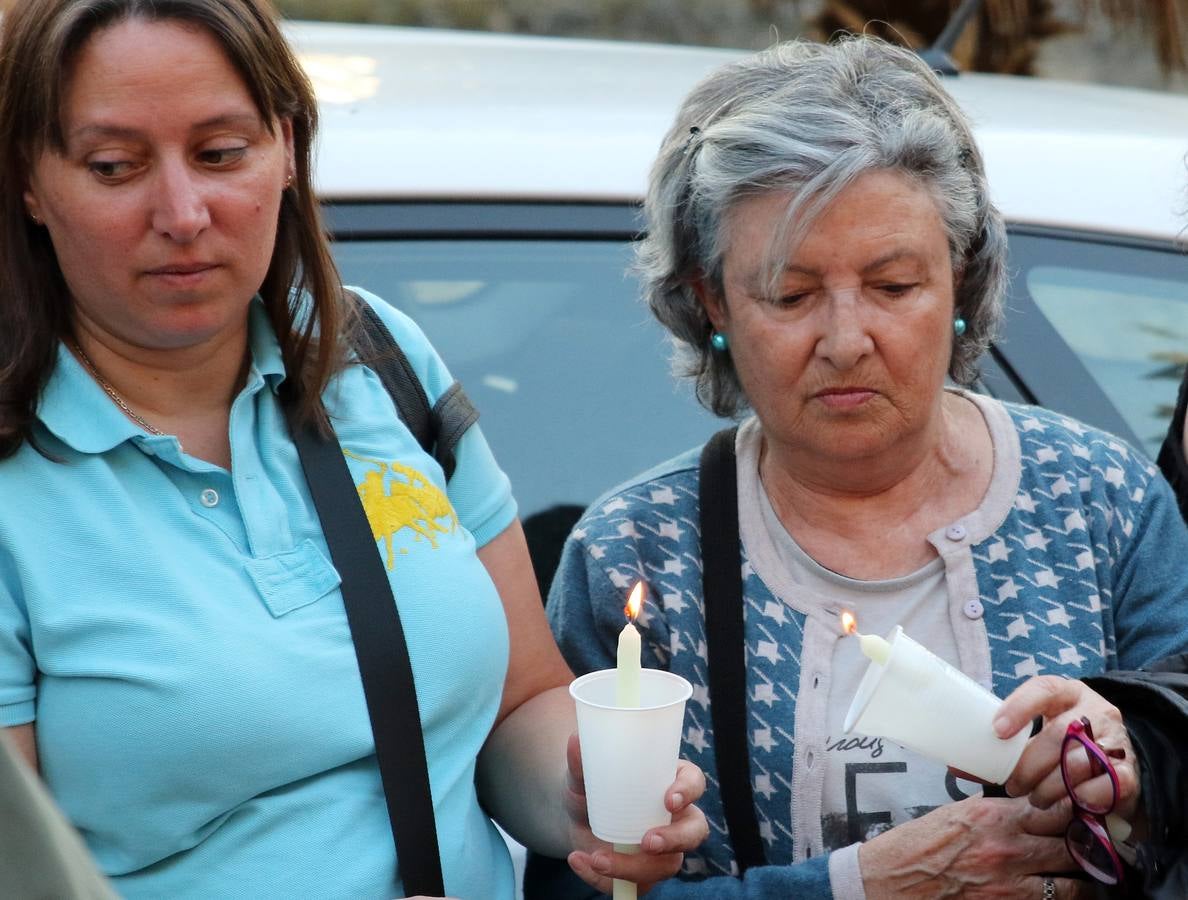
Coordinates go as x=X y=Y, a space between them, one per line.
x=873 y=647
x=628 y=665
x=627 y=695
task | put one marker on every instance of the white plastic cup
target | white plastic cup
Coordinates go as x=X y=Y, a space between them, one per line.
x=629 y=756
x=922 y=703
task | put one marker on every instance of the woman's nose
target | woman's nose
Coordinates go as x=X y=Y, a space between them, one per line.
x=180 y=210
x=844 y=338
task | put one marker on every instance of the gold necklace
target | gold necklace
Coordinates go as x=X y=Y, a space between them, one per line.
x=109 y=390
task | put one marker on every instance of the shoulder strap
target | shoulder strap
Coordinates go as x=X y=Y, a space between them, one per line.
x=721 y=578
x=382 y=652
x=437 y=429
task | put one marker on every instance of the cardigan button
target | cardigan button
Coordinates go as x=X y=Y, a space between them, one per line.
x=973 y=609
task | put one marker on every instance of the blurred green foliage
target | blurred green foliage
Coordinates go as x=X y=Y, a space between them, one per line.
x=1004 y=36
x=731 y=23
x=440 y=13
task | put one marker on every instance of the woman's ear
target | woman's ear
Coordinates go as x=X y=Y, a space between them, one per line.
x=32 y=206
x=286 y=124
x=712 y=302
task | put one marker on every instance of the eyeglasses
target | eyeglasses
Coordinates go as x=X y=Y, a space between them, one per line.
x=1083 y=764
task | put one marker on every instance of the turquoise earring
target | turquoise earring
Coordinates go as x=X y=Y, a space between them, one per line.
x=718 y=342
x=959 y=326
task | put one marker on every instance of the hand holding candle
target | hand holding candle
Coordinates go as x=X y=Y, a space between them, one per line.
x=912 y=697
x=629 y=723
x=664 y=846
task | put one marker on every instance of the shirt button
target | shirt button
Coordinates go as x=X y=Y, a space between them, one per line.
x=973 y=609
x=209 y=498
x=955 y=532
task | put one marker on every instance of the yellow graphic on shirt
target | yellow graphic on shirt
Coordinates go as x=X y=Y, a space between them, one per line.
x=396 y=497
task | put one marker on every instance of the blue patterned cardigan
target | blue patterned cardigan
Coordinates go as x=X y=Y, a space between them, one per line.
x=1084 y=569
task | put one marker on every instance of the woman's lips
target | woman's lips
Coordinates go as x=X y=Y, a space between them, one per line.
x=844 y=398
x=182 y=275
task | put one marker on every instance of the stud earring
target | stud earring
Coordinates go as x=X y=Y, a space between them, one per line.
x=959 y=326
x=288 y=181
x=719 y=342
x=36 y=221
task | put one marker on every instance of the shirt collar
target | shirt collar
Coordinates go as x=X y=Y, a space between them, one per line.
x=78 y=411
x=266 y=352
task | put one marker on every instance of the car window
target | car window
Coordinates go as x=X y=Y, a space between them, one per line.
x=572 y=375
x=1124 y=311
x=565 y=363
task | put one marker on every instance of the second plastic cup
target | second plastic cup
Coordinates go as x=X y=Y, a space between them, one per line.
x=919 y=701
x=629 y=756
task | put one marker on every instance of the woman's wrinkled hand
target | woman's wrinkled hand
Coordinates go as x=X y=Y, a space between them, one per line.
x=977 y=848
x=662 y=849
x=1037 y=774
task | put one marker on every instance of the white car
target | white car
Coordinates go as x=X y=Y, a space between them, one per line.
x=489 y=186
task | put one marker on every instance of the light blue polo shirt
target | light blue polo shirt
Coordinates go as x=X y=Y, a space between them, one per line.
x=177 y=633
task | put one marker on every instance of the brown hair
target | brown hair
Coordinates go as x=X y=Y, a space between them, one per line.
x=39 y=39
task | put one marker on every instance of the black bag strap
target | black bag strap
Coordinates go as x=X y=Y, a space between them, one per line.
x=372 y=613
x=382 y=652
x=722 y=587
x=438 y=428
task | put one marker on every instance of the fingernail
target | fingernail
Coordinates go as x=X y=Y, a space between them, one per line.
x=654 y=843
x=678 y=800
x=1001 y=724
x=601 y=863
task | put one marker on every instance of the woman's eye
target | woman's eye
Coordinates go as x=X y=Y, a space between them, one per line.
x=896 y=289
x=109 y=168
x=222 y=156
x=791 y=299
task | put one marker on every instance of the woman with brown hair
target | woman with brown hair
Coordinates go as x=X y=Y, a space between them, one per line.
x=174 y=651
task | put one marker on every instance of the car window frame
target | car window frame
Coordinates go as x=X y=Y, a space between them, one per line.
x=1030 y=362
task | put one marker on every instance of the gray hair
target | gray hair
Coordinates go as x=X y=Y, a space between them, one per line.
x=807 y=120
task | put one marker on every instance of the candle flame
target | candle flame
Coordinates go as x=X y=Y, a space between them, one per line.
x=635 y=601
x=848 y=623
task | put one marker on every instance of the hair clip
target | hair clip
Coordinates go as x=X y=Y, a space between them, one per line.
x=694 y=131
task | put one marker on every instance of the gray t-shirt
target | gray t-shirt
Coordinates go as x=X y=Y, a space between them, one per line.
x=867 y=785
x=871 y=784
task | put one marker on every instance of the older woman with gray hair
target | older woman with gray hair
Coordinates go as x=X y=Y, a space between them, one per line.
x=822 y=246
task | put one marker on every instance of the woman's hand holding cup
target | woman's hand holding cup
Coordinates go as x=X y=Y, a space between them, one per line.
x=662 y=849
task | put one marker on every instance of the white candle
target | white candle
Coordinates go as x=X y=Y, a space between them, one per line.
x=627 y=670
x=873 y=647
x=624 y=890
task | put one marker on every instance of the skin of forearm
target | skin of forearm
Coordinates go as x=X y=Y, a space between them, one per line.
x=522 y=773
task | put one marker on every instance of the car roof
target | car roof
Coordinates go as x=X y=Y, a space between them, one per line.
x=411 y=113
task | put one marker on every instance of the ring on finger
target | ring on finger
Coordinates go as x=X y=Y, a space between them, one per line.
x=1049 y=889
